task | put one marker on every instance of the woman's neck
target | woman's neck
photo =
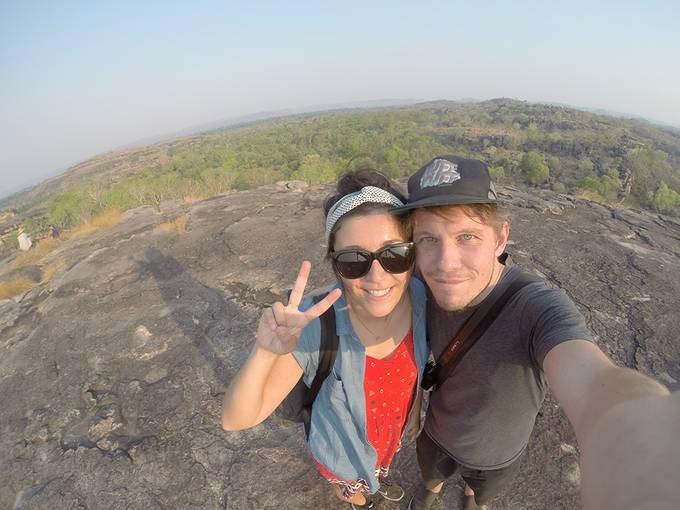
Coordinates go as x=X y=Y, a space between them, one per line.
x=390 y=329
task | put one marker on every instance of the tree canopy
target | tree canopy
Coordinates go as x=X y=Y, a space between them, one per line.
x=617 y=159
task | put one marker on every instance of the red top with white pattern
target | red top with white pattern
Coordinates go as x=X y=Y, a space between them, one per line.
x=388 y=387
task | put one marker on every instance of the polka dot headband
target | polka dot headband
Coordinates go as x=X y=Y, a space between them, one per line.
x=367 y=194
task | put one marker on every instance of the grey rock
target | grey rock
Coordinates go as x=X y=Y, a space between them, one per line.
x=112 y=374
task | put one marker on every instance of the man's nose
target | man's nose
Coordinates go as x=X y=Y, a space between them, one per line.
x=449 y=258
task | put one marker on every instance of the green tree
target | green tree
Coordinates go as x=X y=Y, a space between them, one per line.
x=649 y=168
x=558 y=187
x=69 y=208
x=585 y=168
x=396 y=160
x=665 y=199
x=534 y=169
x=314 y=170
x=589 y=183
x=608 y=185
x=497 y=173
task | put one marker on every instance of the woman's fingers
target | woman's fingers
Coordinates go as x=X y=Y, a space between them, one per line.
x=287 y=335
x=300 y=284
x=319 y=308
x=283 y=319
x=279 y=313
x=268 y=319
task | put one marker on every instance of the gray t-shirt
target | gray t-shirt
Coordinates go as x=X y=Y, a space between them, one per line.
x=484 y=413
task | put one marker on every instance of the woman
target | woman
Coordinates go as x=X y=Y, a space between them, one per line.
x=362 y=409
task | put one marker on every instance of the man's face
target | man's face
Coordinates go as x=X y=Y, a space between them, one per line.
x=457 y=255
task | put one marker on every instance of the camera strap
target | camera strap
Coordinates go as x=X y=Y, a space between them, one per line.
x=477 y=324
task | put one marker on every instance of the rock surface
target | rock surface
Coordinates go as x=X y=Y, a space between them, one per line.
x=112 y=374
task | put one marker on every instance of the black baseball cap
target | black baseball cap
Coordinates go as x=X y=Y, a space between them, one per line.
x=450 y=180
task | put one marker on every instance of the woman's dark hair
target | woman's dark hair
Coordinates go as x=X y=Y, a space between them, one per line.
x=353 y=181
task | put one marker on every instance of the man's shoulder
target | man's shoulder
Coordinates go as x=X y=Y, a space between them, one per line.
x=540 y=293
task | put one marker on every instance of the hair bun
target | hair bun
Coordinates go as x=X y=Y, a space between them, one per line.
x=356 y=179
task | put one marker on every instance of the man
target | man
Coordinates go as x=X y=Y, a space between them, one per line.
x=481 y=416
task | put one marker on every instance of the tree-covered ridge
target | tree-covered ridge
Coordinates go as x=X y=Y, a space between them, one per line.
x=608 y=158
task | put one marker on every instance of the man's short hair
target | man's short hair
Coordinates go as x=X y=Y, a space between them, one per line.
x=493 y=215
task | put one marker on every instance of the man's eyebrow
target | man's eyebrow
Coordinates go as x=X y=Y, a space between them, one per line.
x=473 y=230
x=470 y=230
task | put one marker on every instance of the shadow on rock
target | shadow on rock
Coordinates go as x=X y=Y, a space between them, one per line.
x=204 y=316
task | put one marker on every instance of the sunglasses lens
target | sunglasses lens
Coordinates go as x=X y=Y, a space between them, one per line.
x=352 y=264
x=397 y=259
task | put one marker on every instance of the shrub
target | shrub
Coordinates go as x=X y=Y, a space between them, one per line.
x=68 y=209
x=534 y=169
x=558 y=187
x=497 y=173
x=605 y=186
x=314 y=170
x=589 y=183
x=608 y=185
x=665 y=199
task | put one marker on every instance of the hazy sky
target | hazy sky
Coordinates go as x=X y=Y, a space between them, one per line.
x=80 y=78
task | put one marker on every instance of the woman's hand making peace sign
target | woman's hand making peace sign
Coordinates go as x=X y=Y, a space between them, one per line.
x=280 y=326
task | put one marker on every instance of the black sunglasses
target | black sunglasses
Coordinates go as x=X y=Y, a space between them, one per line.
x=354 y=263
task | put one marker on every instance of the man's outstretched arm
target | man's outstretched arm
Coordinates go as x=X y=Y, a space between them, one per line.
x=627 y=426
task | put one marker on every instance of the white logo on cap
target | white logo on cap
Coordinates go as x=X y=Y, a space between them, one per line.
x=439 y=172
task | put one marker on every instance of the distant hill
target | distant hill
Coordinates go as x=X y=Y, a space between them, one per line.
x=617 y=160
x=246 y=120
x=625 y=115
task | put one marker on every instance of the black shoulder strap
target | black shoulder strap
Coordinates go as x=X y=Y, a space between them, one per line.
x=479 y=322
x=328 y=347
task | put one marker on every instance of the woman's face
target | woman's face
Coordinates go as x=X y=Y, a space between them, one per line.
x=378 y=292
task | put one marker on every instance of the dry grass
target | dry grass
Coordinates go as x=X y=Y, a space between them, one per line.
x=49 y=271
x=592 y=196
x=103 y=220
x=179 y=225
x=192 y=199
x=36 y=253
x=15 y=287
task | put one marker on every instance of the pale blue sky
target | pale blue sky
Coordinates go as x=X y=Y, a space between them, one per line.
x=83 y=77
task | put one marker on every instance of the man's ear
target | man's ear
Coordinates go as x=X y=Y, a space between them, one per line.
x=502 y=238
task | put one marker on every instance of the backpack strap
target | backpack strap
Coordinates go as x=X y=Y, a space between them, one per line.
x=477 y=324
x=328 y=347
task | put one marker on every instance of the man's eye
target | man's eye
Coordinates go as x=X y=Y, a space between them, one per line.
x=426 y=240
x=467 y=237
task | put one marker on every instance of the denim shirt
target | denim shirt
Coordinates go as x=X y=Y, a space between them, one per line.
x=338 y=437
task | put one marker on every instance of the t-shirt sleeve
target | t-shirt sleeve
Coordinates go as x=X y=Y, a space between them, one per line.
x=553 y=318
x=306 y=352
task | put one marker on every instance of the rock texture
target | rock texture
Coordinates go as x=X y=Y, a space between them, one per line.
x=112 y=374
